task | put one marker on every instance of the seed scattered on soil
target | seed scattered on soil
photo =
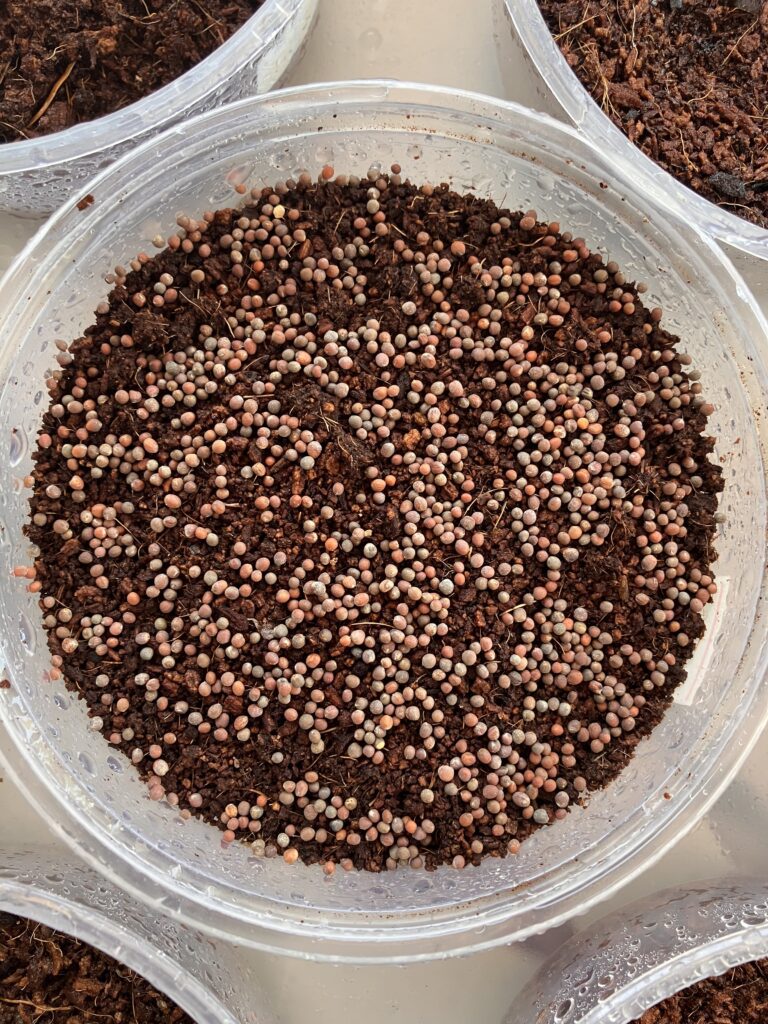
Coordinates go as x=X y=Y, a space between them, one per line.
x=47 y=977
x=686 y=81
x=374 y=522
x=63 y=62
x=740 y=996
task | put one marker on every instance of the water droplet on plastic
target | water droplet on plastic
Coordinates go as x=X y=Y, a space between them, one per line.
x=563 y=1011
x=546 y=183
x=27 y=633
x=324 y=155
x=18 y=446
x=238 y=175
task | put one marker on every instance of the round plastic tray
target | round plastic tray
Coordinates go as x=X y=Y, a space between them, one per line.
x=89 y=791
x=180 y=962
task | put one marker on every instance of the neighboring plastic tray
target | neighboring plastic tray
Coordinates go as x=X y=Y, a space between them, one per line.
x=622 y=965
x=552 y=79
x=37 y=175
x=63 y=893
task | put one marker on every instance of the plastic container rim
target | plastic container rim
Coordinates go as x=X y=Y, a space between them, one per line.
x=710 y=957
x=680 y=972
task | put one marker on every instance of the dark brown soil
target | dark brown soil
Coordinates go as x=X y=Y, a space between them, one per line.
x=686 y=81
x=375 y=523
x=63 y=62
x=50 y=978
x=738 y=997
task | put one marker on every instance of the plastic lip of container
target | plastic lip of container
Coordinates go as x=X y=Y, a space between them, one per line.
x=623 y=965
x=543 y=56
x=37 y=175
x=524 y=159
x=65 y=894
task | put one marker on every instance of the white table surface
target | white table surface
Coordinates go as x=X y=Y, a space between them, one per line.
x=448 y=42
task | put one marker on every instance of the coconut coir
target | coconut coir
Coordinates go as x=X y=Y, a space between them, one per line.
x=740 y=996
x=686 y=81
x=47 y=977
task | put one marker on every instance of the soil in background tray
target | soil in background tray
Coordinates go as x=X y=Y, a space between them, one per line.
x=47 y=977
x=375 y=522
x=63 y=62
x=686 y=81
x=740 y=996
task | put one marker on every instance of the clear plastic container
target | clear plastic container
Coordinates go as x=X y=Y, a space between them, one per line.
x=91 y=793
x=552 y=80
x=623 y=965
x=38 y=175
x=63 y=893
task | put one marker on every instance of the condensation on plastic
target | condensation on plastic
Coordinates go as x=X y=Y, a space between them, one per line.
x=556 y=88
x=38 y=175
x=209 y=983
x=620 y=967
x=519 y=158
